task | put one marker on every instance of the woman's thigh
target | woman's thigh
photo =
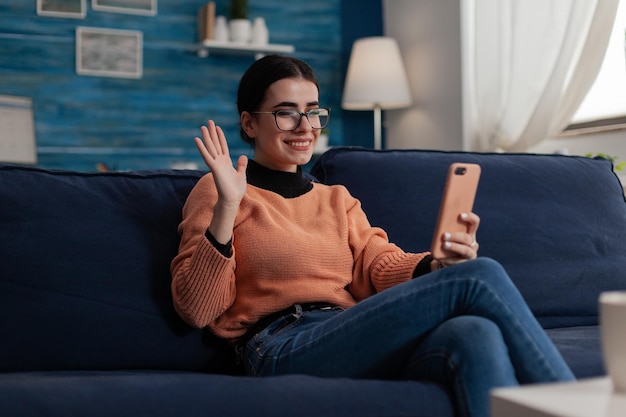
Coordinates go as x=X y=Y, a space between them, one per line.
x=375 y=337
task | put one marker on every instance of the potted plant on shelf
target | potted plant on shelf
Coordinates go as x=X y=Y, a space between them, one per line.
x=240 y=26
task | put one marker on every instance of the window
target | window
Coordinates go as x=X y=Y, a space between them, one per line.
x=604 y=107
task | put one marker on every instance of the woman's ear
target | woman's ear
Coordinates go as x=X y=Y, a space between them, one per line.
x=248 y=124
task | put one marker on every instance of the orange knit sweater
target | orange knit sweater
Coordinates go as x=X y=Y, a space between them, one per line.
x=317 y=247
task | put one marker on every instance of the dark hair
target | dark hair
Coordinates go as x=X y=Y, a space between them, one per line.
x=263 y=73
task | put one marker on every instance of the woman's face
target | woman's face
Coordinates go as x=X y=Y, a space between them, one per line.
x=277 y=149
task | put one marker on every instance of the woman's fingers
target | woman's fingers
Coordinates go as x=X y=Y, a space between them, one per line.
x=213 y=143
x=463 y=245
x=221 y=141
x=206 y=156
x=472 y=220
x=211 y=140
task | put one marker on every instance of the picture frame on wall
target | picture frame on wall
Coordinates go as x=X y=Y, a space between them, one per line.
x=109 y=52
x=141 y=7
x=62 y=8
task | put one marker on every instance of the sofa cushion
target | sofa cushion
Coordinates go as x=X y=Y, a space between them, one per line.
x=154 y=394
x=84 y=272
x=556 y=223
x=581 y=348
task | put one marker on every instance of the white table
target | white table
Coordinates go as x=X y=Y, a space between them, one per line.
x=585 y=398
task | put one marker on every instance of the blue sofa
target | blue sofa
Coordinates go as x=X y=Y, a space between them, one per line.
x=86 y=316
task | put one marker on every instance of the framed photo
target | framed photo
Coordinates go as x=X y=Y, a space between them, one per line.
x=144 y=7
x=62 y=8
x=109 y=52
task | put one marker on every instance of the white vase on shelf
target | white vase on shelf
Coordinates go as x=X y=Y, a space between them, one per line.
x=220 y=31
x=240 y=30
x=260 y=34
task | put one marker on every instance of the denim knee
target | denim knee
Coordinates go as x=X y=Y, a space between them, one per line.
x=468 y=336
x=471 y=336
x=469 y=344
x=468 y=354
x=485 y=270
x=483 y=266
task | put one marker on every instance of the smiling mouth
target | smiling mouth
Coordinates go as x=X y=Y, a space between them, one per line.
x=299 y=143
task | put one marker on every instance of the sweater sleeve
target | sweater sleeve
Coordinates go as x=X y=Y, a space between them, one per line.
x=203 y=279
x=378 y=263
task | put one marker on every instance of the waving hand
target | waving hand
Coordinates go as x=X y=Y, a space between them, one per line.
x=230 y=181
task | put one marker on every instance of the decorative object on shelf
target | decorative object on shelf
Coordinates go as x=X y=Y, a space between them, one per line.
x=140 y=7
x=240 y=26
x=206 y=21
x=240 y=30
x=376 y=80
x=238 y=9
x=67 y=8
x=220 y=31
x=109 y=52
x=260 y=34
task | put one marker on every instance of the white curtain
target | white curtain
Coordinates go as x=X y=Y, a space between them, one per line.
x=527 y=66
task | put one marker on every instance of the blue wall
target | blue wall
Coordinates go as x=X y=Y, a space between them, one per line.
x=367 y=22
x=81 y=121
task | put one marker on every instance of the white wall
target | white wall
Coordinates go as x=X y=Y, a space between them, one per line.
x=612 y=143
x=429 y=33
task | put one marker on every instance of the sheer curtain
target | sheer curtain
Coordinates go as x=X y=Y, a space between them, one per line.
x=527 y=65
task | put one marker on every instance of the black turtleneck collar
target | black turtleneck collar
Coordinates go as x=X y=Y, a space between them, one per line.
x=287 y=184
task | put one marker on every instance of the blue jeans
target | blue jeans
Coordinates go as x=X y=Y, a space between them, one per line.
x=465 y=326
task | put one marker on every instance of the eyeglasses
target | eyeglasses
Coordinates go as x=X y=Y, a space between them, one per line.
x=288 y=120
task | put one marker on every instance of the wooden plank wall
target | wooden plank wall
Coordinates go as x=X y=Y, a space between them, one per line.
x=148 y=123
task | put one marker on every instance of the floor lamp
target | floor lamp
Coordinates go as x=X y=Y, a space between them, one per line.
x=376 y=80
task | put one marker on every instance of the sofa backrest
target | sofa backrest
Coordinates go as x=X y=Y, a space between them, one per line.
x=556 y=223
x=84 y=272
x=84 y=257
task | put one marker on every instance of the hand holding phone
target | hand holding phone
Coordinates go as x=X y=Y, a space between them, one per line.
x=458 y=197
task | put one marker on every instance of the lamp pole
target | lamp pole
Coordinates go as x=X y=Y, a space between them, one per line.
x=378 y=133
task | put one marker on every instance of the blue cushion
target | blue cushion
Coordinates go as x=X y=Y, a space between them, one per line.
x=85 y=281
x=581 y=349
x=155 y=394
x=556 y=223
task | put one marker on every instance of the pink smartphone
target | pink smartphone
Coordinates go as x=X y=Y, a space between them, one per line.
x=458 y=197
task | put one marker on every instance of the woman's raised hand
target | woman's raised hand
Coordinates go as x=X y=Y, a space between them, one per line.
x=230 y=181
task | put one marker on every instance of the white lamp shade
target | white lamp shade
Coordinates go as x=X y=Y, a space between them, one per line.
x=376 y=76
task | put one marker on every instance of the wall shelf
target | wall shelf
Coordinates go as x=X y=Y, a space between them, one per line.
x=229 y=48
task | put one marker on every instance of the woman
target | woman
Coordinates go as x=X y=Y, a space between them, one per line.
x=293 y=275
